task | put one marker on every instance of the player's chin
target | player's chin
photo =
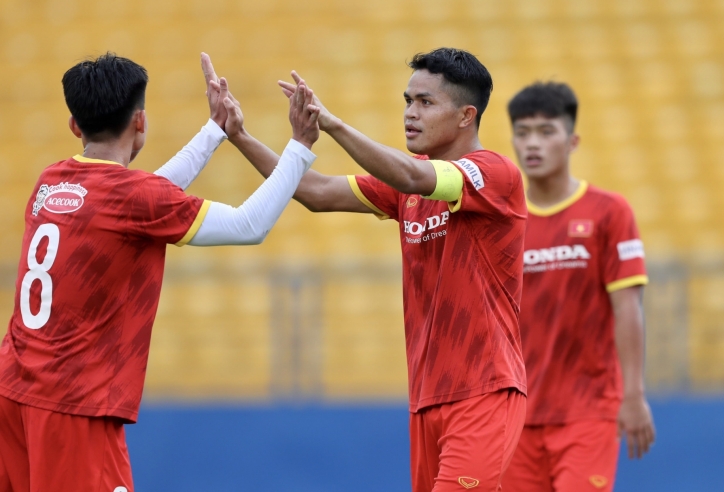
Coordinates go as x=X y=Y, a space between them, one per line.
x=416 y=146
x=537 y=172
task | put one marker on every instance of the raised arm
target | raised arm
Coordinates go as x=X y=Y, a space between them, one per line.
x=183 y=168
x=252 y=221
x=317 y=192
x=634 y=420
x=394 y=167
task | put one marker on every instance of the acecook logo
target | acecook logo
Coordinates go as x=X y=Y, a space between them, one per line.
x=63 y=198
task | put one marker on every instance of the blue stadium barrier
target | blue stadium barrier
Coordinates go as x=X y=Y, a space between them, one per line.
x=319 y=448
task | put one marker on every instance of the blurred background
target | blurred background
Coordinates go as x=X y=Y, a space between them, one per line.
x=283 y=365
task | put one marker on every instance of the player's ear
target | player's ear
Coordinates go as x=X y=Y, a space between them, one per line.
x=73 y=125
x=468 y=114
x=140 y=121
x=573 y=142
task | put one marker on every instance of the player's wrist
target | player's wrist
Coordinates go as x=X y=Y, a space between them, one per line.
x=330 y=124
x=240 y=138
x=632 y=395
x=304 y=141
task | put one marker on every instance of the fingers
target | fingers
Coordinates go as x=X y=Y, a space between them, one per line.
x=299 y=98
x=224 y=88
x=208 y=69
x=214 y=85
x=296 y=77
x=308 y=96
x=314 y=113
x=287 y=85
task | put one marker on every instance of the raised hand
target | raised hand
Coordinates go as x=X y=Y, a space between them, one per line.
x=213 y=92
x=326 y=119
x=234 y=126
x=304 y=116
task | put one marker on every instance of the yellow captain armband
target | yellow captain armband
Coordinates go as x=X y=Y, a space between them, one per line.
x=449 y=185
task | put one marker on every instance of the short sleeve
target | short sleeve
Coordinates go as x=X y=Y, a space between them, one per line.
x=161 y=211
x=491 y=185
x=381 y=198
x=623 y=251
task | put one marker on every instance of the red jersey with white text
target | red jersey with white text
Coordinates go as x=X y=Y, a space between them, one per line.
x=576 y=253
x=88 y=286
x=462 y=279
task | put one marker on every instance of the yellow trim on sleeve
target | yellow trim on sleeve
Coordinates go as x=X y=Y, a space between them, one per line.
x=627 y=282
x=87 y=160
x=361 y=197
x=558 y=207
x=449 y=185
x=196 y=224
x=454 y=206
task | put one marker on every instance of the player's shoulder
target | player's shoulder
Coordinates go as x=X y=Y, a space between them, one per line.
x=605 y=201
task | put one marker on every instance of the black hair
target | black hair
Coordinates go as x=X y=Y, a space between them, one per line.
x=550 y=99
x=102 y=94
x=471 y=80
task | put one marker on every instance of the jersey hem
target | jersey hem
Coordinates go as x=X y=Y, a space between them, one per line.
x=196 y=224
x=558 y=207
x=627 y=282
x=352 y=180
x=469 y=393
x=80 y=410
x=610 y=414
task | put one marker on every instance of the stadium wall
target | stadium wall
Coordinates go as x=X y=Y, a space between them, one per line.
x=362 y=448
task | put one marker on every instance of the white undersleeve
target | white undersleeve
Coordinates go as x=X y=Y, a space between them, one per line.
x=186 y=165
x=252 y=221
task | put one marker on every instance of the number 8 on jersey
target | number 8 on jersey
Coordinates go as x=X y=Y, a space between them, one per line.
x=39 y=271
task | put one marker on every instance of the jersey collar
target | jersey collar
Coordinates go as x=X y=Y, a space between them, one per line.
x=554 y=209
x=86 y=160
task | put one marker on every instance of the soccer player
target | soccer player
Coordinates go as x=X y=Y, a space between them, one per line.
x=74 y=358
x=461 y=213
x=581 y=315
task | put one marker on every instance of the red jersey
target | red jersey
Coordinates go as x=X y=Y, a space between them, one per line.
x=462 y=278
x=575 y=254
x=88 y=286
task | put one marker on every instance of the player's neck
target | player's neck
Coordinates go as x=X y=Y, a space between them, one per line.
x=118 y=151
x=456 y=149
x=551 y=190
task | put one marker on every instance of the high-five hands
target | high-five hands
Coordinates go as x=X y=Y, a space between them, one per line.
x=326 y=119
x=304 y=116
x=213 y=92
x=225 y=109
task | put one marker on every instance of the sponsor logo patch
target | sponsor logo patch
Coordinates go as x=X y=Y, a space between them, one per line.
x=411 y=202
x=468 y=482
x=473 y=172
x=598 y=481
x=628 y=250
x=580 y=228
x=557 y=258
x=63 y=198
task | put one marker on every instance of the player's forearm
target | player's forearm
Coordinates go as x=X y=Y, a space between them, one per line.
x=252 y=221
x=630 y=344
x=309 y=192
x=394 y=167
x=263 y=158
x=187 y=164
